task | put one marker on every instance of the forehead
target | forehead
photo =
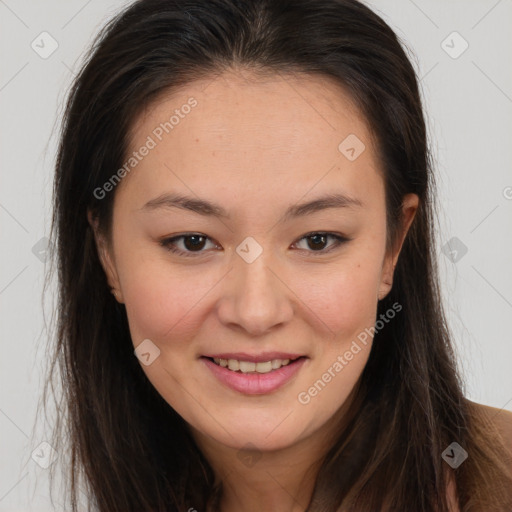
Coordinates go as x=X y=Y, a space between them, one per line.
x=247 y=131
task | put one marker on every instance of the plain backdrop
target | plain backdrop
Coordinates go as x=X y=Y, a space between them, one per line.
x=462 y=51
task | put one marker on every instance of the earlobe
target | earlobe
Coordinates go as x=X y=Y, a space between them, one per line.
x=386 y=282
x=106 y=260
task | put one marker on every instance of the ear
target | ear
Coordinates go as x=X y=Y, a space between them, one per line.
x=409 y=208
x=106 y=257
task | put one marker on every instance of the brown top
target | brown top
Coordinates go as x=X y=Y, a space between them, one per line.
x=502 y=419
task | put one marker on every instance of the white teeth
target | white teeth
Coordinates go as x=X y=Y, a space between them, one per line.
x=263 y=367
x=248 y=367
x=233 y=364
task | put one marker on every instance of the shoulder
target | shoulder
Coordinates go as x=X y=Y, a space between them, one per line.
x=501 y=419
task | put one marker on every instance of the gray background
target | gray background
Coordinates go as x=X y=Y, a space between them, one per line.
x=468 y=99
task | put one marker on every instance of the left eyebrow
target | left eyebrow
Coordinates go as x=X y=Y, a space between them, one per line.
x=206 y=208
x=321 y=203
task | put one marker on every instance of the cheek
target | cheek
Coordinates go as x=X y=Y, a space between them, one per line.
x=344 y=298
x=161 y=302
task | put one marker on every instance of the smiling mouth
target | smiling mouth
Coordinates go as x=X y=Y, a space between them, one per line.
x=237 y=366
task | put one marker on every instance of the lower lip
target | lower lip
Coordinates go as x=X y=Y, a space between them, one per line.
x=255 y=383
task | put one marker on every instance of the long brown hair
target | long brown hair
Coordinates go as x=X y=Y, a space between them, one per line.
x=127 y=446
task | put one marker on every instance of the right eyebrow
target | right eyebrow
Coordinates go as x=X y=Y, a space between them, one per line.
x=173 y=200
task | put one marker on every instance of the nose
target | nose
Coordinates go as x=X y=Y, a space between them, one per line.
x=255 y=297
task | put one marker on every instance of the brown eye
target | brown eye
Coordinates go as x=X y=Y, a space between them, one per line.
x=316 y=242
x=191 y=243
x=194 y=242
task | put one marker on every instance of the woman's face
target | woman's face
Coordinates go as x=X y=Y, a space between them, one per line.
x=255 y=283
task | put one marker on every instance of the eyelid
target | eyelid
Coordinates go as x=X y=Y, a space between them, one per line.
x=340 y=240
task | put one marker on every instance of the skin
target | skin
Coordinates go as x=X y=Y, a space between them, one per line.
x=254 y=146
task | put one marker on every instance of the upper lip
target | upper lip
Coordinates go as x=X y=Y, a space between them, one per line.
x=255 y=358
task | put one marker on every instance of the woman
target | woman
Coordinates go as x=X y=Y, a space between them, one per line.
x=249 y=308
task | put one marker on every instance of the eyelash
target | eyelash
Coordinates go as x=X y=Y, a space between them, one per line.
x=167 y=243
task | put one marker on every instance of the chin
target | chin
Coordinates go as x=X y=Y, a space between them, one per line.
x=264 y=434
